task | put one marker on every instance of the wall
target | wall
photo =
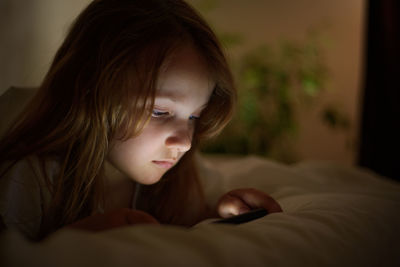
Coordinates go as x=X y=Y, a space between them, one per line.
x=269 y=21
x=31 y=31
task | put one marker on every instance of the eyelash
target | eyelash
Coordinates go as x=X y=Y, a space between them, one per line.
x=192 y=117
x=160 y=114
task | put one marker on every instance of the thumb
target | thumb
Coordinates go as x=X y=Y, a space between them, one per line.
x=229 y=206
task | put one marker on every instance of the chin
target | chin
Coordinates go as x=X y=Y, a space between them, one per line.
x=151 y=180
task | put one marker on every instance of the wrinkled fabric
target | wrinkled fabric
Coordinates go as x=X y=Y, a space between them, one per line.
x=333 y=216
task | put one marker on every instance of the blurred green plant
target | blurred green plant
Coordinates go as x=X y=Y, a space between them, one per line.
x=273 y=82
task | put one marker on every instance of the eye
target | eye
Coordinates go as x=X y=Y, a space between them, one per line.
x=159 y=113
x=192 y=117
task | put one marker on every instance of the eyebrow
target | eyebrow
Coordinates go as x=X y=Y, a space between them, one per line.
x=175 y=98
x=172 y=96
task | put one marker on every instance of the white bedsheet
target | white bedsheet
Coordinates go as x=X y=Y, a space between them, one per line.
x=333 y=216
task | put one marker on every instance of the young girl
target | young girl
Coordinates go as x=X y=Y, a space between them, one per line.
x=110 y=136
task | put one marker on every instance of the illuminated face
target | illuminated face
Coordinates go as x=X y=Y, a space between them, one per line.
x=183 y=90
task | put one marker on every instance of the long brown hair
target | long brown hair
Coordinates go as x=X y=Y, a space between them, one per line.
x=102 y=80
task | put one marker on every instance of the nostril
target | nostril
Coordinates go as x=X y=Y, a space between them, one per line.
x=186 y=148
x=180 y=144
x=183 y=147
x=181 y=141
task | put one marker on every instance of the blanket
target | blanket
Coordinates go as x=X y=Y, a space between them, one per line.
x=334 y=215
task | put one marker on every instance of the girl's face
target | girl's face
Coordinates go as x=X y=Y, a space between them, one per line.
x=183 y=90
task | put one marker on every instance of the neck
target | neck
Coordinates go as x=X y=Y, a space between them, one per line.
x=119 y=189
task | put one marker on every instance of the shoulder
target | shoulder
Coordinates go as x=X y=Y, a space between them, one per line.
x=27 y=173
x=24 y=193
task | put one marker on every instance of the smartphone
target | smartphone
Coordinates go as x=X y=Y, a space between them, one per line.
x=244 y=217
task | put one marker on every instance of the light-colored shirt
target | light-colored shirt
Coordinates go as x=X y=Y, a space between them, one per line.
x=24 y=194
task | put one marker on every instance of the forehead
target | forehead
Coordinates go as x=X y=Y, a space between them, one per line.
x=183 y=75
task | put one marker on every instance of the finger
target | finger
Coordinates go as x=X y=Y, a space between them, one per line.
x=140 y=217
x=229 y=206
x=256 y=199
x=94 y=223
x=104 y=221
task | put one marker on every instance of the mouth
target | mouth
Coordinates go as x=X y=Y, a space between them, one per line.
x=166 y=164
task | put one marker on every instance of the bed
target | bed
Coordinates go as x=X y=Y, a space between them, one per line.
x=334 y=215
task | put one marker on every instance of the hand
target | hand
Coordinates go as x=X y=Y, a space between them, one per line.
x=113 y=219
x=242 y=200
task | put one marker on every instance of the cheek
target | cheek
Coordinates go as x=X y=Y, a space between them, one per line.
x=151 y=134
x=151 y=139
x=122 y=152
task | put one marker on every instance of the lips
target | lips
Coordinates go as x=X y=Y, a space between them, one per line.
x=164 y=163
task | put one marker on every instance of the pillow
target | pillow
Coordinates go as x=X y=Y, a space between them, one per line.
x=333 y=216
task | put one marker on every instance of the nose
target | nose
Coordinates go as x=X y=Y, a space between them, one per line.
x=180 y=139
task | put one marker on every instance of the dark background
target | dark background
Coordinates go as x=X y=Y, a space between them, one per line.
x=380 y=129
